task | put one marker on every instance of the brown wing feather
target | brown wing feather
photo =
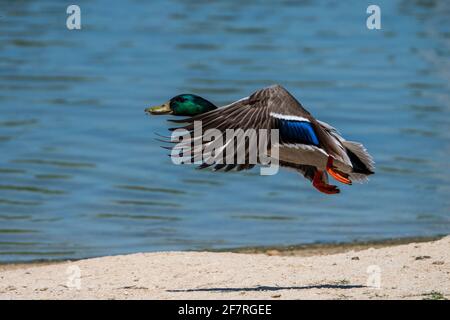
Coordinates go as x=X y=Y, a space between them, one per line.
x=252 y=112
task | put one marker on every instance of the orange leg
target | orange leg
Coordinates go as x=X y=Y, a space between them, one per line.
x=338 y=175
x=321 y=186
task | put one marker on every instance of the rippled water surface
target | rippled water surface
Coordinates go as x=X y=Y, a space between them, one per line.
x=81 y=174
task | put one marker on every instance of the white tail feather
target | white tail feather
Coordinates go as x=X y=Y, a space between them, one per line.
x=361 y=152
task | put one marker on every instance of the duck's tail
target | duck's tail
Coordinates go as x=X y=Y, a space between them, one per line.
x=362 y=161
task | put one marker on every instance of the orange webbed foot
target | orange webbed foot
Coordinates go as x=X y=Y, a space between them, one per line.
x=323 y=187
x=336 y=174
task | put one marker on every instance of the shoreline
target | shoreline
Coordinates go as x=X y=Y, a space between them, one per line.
x=417 y=270
x=313 y=249
x=299 y=250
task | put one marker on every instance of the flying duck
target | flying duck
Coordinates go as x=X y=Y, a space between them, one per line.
x=307 y=145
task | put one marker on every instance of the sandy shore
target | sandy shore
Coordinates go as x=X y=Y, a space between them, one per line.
x=409 y=271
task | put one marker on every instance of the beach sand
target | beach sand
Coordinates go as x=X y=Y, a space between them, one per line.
x=407 y=271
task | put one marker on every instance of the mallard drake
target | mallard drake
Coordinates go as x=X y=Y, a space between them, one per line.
x=307 y=145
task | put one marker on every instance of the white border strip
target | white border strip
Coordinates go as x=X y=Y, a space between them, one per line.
x=288 y=117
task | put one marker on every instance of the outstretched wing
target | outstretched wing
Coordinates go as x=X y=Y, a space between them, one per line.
x=270 y=108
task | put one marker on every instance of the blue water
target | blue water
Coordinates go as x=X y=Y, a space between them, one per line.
x=81 y=174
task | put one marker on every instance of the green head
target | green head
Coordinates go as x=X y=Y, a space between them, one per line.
x=183 y=105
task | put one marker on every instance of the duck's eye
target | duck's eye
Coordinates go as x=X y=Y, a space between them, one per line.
x=181 y=99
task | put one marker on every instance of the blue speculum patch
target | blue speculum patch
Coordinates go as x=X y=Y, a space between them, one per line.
x=298 y=132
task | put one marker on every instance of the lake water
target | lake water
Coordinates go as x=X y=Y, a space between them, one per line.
x=80 y=171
